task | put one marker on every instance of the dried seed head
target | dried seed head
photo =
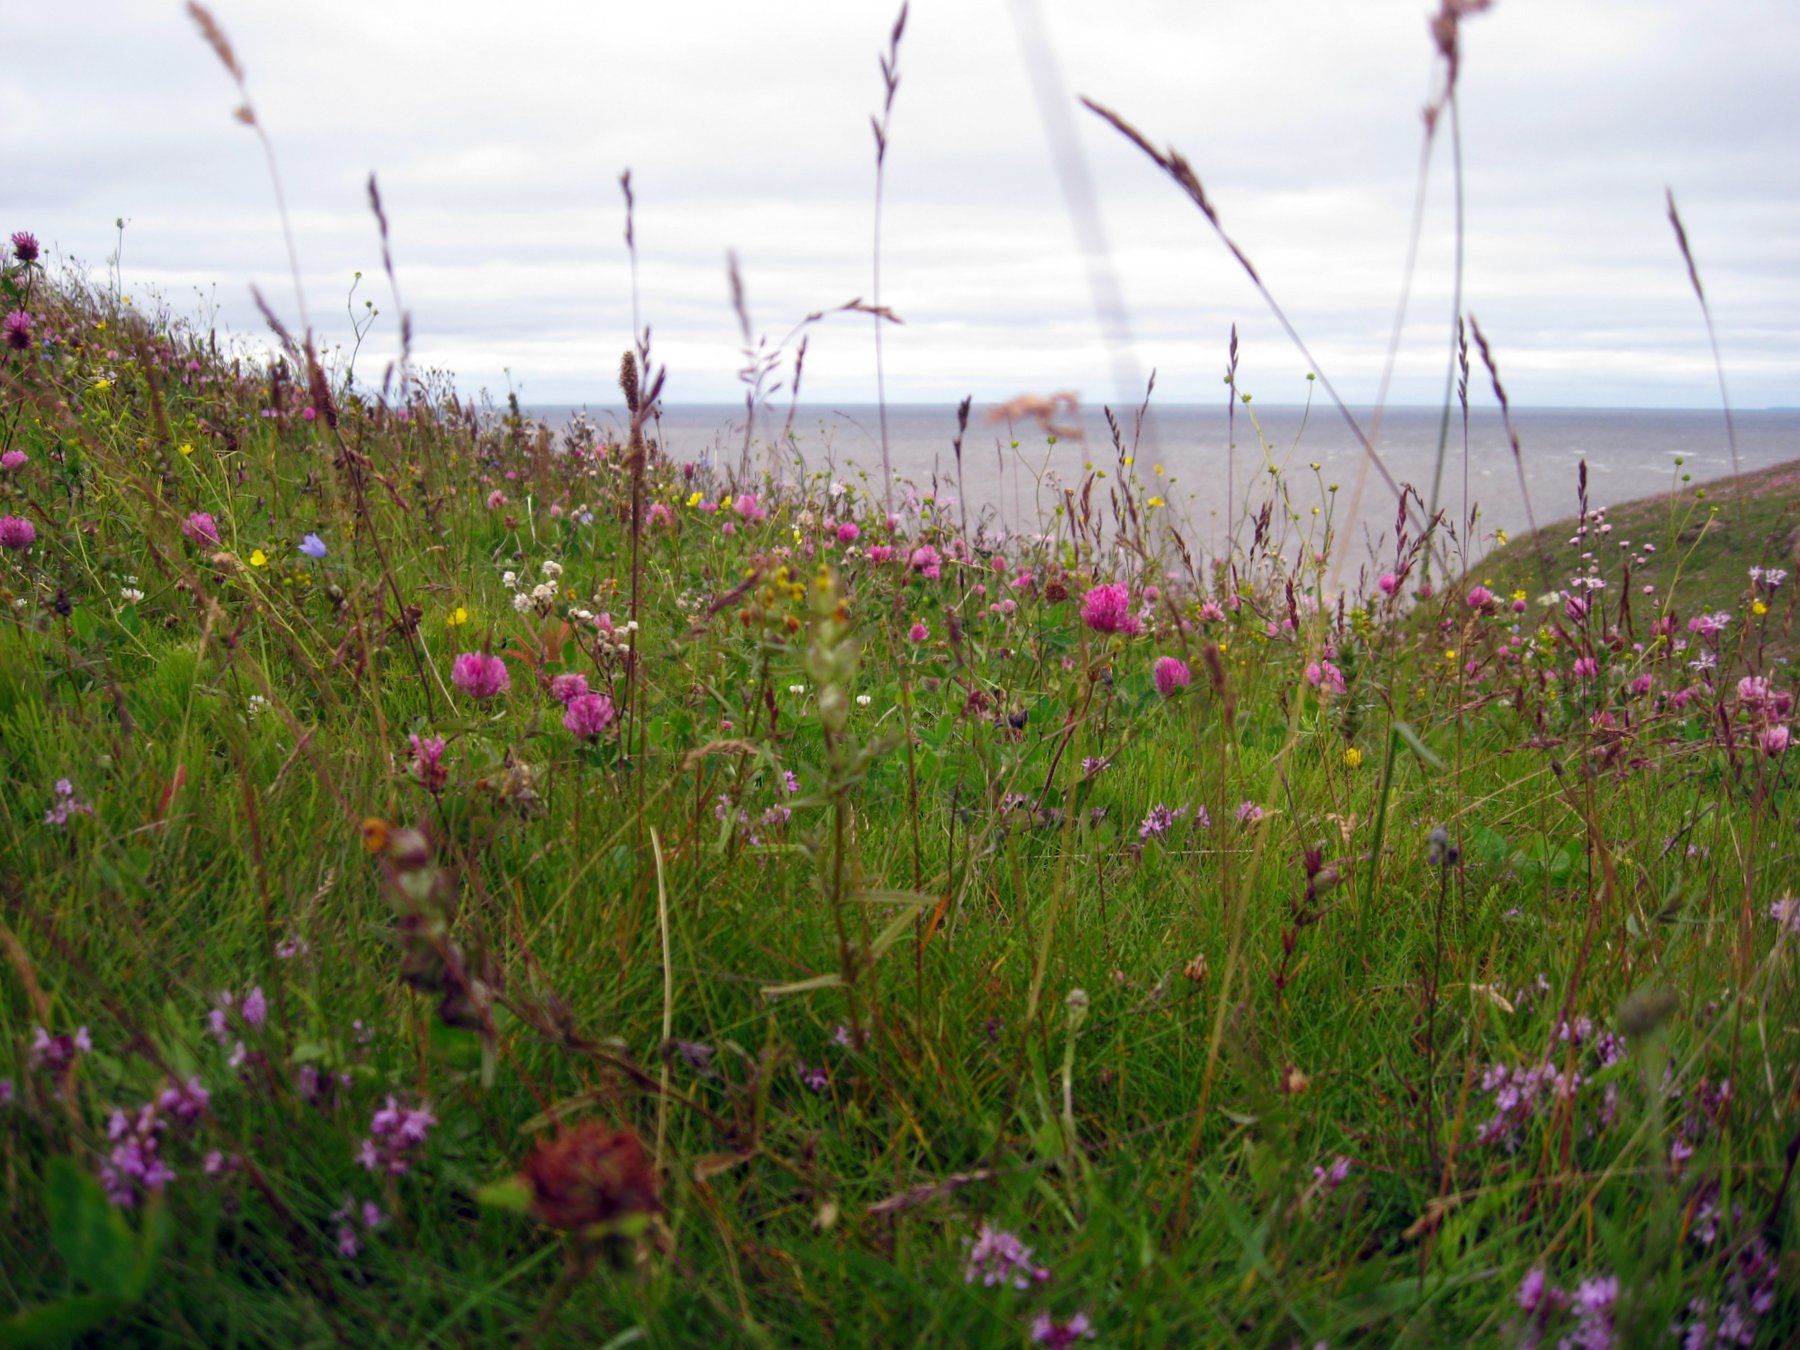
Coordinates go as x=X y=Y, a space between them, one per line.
x=590 y=1175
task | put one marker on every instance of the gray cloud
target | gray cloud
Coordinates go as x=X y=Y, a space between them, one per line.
x=499 y=140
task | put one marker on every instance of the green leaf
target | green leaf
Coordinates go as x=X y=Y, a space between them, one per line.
x=60 y=1322
x=91 y=1235
x=508 y=1193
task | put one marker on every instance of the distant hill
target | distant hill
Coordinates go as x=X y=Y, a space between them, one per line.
x=1706 y=537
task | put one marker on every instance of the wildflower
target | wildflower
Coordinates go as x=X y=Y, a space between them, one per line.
x=313 y=546
x=997 y=1257
x=258 y=558
x=16 y=533
x=428 y=762
x=456 y=617
x=201 y=528
x=1480 y=597
x=1389 y=583
x=53 y=1054
x=1107 y=609
x=256 y=1008
x=480 y=675
x=1786 y=913
x=919 y=633
x=590 y=1175
x=1535 y=1292
x=1585 y=668
x=65 y=804
x=1353 y=757
x=848 y=532
x=1157 y=823
x=881 y=553
x=924 y=560
x=565 y=689
x=1775 y=739
x=748 y=508
x=25 y=246
x=1330 y=1178
x=1046 y=1330
x=1325 y=677
x=1709 y=625
x=395 y=1135
x=1170 y=675
x=814 y=1077
x=186 y=1102
x=1248 y=813
x=588 y=715
x=660 y=515
x=12 y=459
x=134 y=1168
x=17 y=329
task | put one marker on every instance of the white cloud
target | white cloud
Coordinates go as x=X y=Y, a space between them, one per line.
x=498 y=141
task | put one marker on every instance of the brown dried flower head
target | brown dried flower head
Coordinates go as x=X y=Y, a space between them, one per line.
x=590 y=1175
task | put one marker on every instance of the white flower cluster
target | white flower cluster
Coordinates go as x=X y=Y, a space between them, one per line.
x=541 y=598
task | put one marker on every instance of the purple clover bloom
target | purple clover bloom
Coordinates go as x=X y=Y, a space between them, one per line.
x=480 y=675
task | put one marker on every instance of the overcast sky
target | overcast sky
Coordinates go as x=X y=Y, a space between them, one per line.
x=499 y=131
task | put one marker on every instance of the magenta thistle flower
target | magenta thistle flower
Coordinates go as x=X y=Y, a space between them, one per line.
x=201 y=528
x=1480 y=597
x=17 y=329
x=480 y=675
x=1389 y=583
x=587 y=716
x=1107 y=609
x=1170 y=674
x=12 y=459
x=16 y=533
x=919 y=633
x=849 y=532
x=25 y=246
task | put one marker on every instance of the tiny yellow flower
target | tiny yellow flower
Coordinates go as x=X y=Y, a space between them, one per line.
x=1160 y=471
x=1500 y=537
x=457 y=616
x=258 y=558
x=185 y=448
x=694 y=499
x=1519 y=595
x=1449 y=653
x=1353 y=757
x=1759 y=609
x=101 y=386
x=1156 y=501
x=1130 y=460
